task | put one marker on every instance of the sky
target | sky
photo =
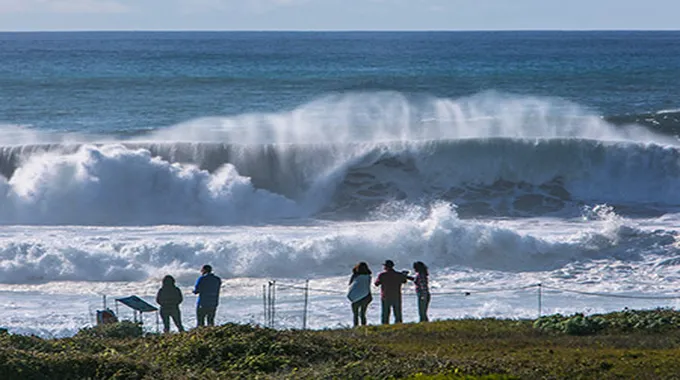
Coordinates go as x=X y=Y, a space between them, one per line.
x=45 y=15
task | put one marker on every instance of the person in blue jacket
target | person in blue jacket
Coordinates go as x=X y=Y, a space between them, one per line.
x=208 y=290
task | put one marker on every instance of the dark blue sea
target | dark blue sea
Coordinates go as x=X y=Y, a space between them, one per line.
x=130 y=81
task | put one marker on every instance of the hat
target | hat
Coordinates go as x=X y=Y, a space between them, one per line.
x=389 y=263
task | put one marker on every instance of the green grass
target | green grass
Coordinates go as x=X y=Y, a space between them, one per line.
x=640 y=345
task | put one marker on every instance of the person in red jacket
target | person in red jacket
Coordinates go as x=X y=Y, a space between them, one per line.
x=390 y=282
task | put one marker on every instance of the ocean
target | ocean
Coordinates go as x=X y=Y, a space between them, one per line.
x=503 y=160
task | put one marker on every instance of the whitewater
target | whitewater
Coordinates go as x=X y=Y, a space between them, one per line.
x=495 y=192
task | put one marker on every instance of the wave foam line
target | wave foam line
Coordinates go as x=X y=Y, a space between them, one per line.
x=439 y=238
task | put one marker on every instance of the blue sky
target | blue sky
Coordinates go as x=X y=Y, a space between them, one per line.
x=30 y=15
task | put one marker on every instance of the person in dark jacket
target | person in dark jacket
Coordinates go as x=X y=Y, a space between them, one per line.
x=169 y=297
x=208 y=290
x=390 y=282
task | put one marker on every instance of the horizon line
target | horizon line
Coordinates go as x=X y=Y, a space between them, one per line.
x=326 y=30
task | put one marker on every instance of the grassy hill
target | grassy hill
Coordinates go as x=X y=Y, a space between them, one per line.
x=628 y=344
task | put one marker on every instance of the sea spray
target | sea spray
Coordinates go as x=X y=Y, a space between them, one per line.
x=394 y=116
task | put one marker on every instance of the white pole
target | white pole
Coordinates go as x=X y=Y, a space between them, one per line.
x=269 y=304
x=264 y=305
x=304 y=313
x=274 y=304
x=540 y=301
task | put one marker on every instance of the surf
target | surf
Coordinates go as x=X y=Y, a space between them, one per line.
x=343 y=155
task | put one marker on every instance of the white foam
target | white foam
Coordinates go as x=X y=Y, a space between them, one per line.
x=114 y=185
x=319 y=249
x=667 y=111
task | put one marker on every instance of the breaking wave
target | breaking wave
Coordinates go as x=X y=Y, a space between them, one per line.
x=343 y=156
x=435 y=234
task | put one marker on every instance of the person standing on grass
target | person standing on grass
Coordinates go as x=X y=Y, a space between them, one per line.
x=360 y=292
x=208 y=290
x=422 y=289
x=390 y=282
x=169 y=297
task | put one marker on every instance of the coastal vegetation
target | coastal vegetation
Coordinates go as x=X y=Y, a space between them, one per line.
x=626 y=344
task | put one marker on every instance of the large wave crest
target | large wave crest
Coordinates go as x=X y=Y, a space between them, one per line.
x=342 y=155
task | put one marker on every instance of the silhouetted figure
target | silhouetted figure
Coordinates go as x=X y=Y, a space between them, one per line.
x=169 y=297
x=390 y=283
x=208 y=290
x=360 y=292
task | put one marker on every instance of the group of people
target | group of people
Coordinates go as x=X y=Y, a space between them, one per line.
x=390 y=282
x=169 y=297
x=207 y=287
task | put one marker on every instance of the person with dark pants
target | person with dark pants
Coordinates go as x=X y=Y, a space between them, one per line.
x=169 y=297
x=422 y=289
x=390 y=282
x=208 y=290
x=360 y=292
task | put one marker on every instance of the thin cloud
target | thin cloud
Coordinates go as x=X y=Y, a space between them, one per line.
x=251 y=6
x=270 y=5
x=62 y=6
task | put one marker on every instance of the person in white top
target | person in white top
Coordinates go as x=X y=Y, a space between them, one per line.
x=360 y=292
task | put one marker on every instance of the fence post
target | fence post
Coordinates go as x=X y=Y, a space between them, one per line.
x=540 y=300
x=273 y=303
x=264 y=305
x=269 y=304
x=304 y=313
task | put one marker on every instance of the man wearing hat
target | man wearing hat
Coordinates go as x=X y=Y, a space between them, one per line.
x=390 y=282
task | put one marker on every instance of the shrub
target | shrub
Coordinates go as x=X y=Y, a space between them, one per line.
x=657 y=320
x=124 y=329
x=577 y=324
